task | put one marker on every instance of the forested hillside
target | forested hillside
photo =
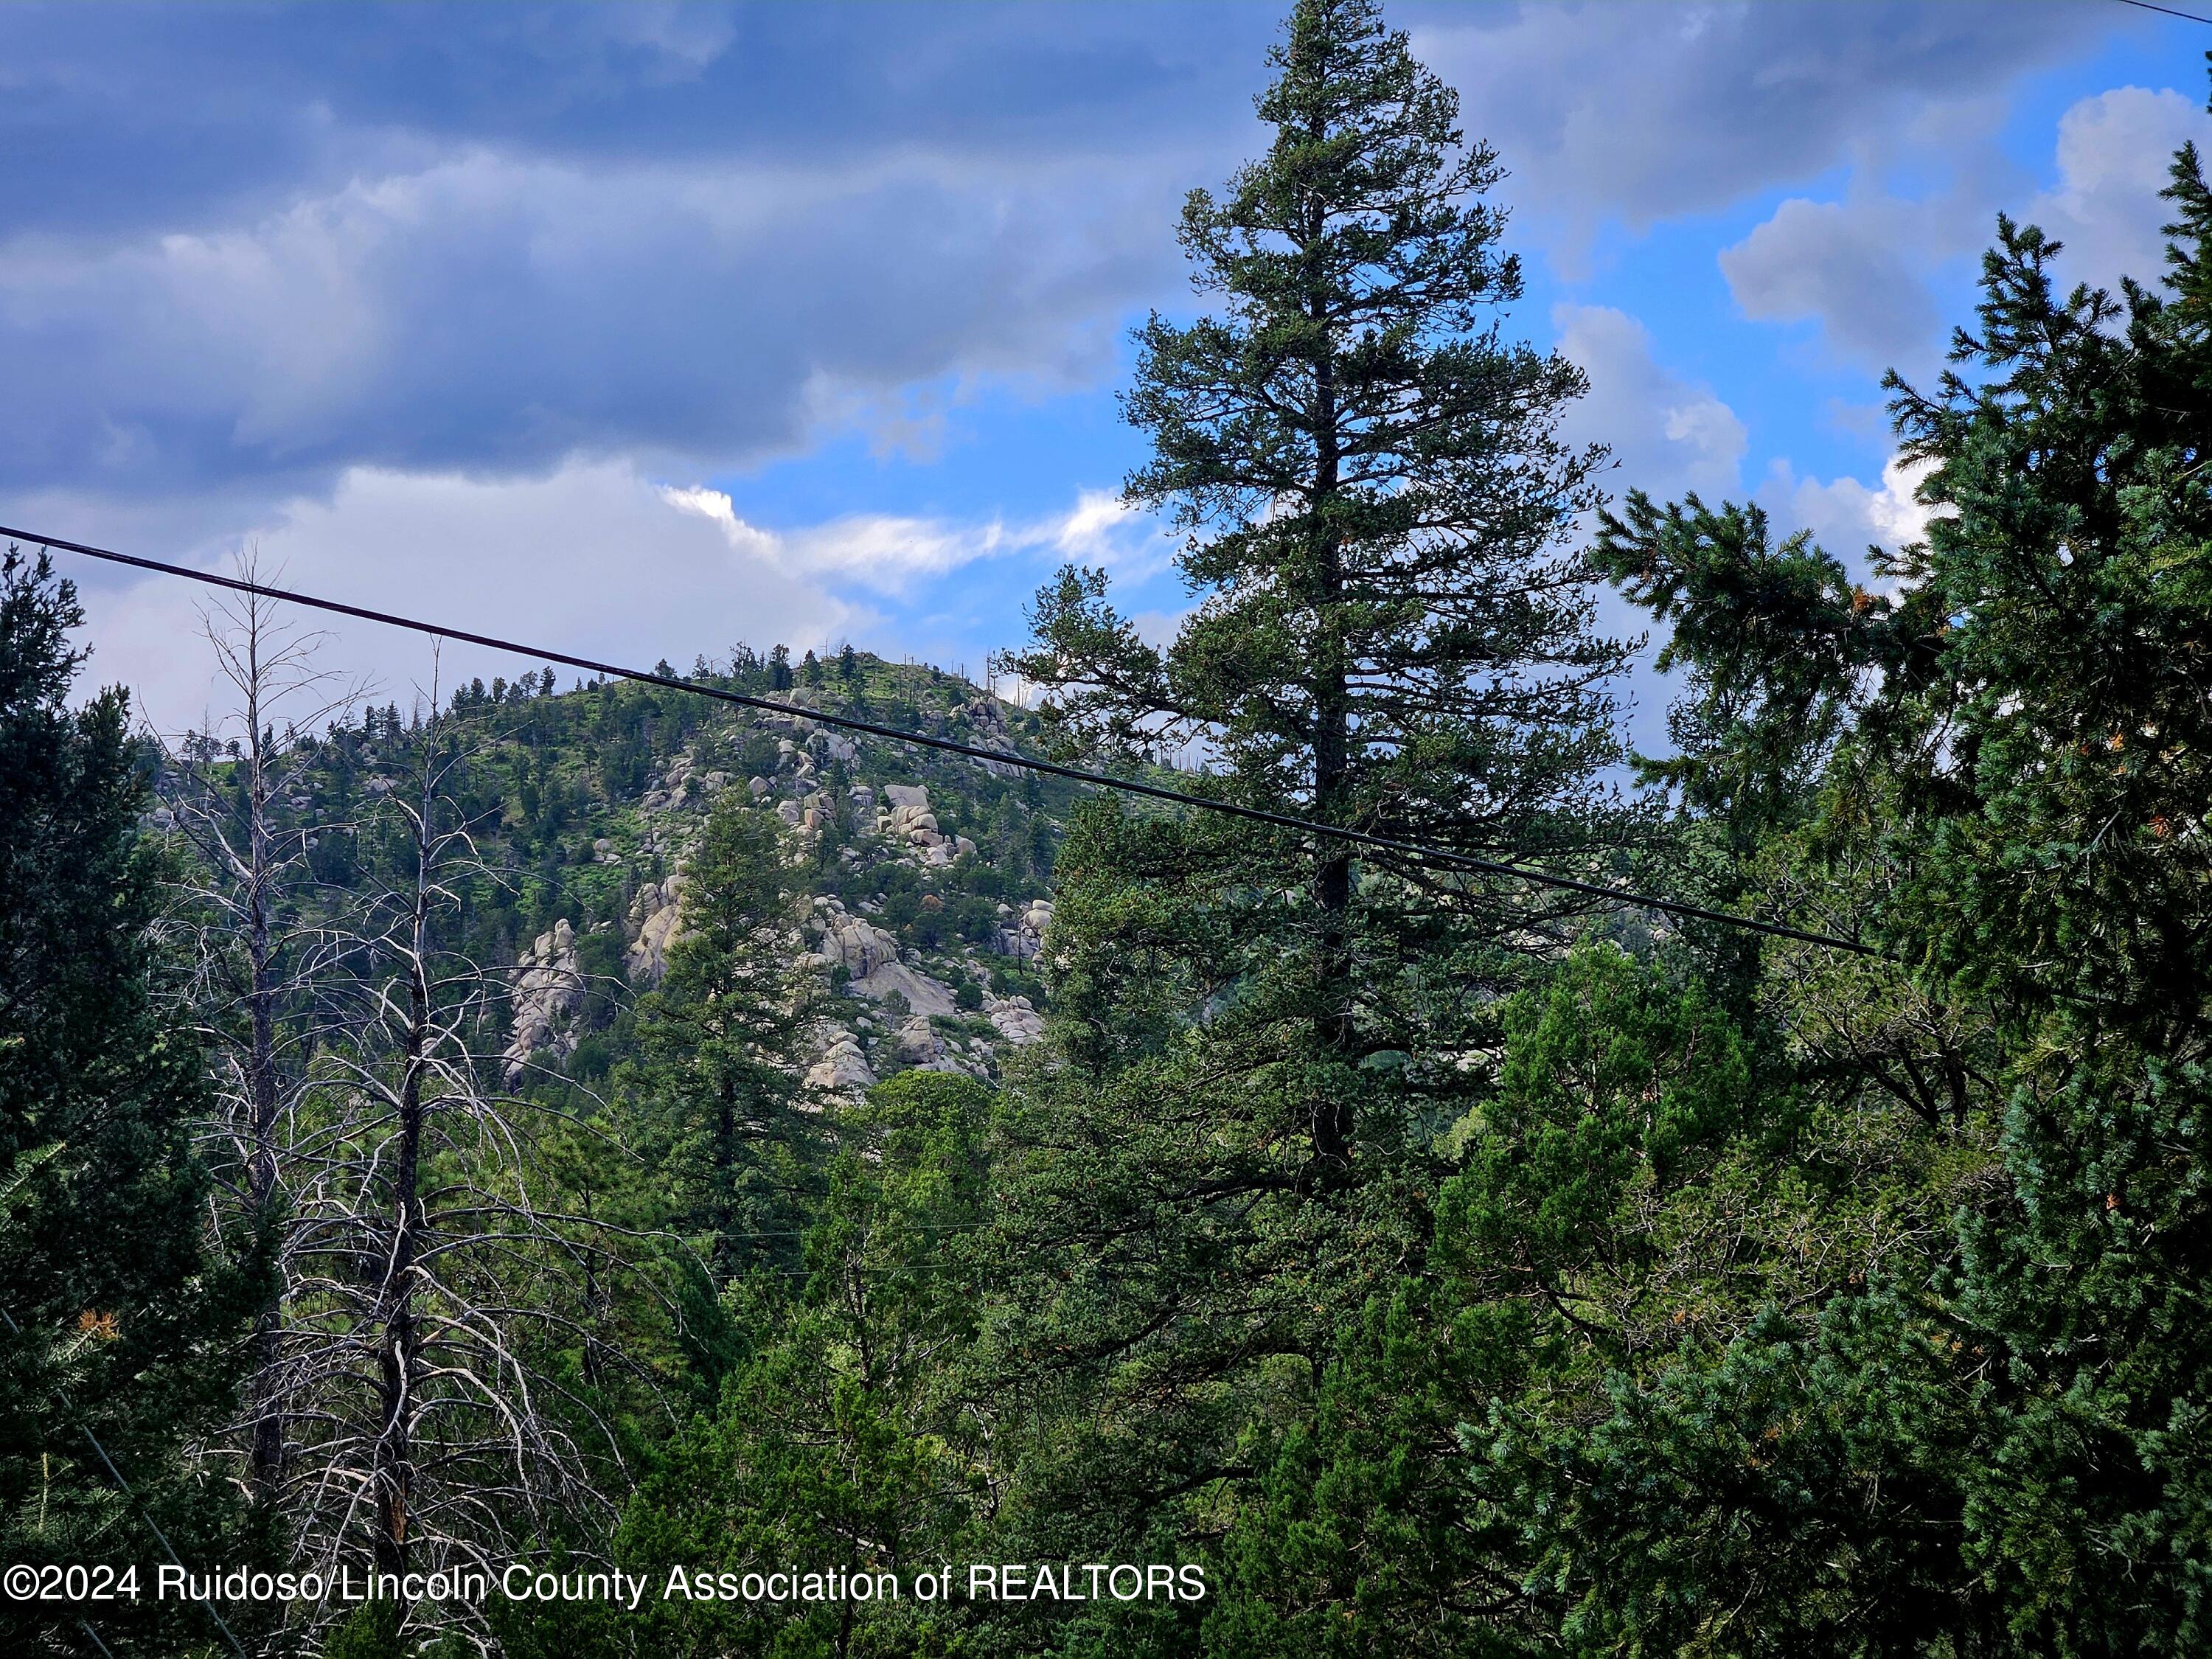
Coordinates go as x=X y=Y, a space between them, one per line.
x=608 y=1130
x=917 y=874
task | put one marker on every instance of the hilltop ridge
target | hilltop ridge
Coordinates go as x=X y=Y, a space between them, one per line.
x=924 y=876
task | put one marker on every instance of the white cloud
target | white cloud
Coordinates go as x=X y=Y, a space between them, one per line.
x=2113 y=151
x=1851 y=265
x=595 y=559
x=638 y=579
x=490 y=310
x=1667 y=435
x=890 y=553
x=1644 y=112
x=1104 y=531
x=1860 y=267
x=1091 y=528
x=885 y=551
x=1846 y=516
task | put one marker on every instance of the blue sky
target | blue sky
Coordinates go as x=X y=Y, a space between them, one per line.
x=644 y=329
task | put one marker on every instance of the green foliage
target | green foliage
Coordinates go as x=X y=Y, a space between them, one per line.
x=1977 y=1450
x=371 y=1632
x=1446 y=1269
x=835 y=1447
x=712 y=1090
x=1611 y=1082
x=1389 y=631
x=1261 y=1042
x=120 y=1313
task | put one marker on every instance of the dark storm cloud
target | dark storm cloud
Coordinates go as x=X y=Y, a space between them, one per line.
x=1646 y=111
x=490 y=312
x=160 y=116
x=267 y=244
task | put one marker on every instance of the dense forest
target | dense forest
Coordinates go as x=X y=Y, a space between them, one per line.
x=613 y=1130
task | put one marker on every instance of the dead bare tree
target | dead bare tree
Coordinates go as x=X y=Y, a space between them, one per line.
x=432 y=1277
x=406 y=1403
x=224 y=787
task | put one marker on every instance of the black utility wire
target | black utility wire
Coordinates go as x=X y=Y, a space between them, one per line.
x=2186 y=17
x=1126 y=786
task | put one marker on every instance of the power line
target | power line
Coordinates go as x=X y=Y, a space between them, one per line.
x=953 y=746
x=2186 y=16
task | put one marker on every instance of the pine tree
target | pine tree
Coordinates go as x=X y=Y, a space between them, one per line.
x=838 y=1444
x=714 y=1083
x=122 y=1319
x=2056 y=842
x=1263 y=1038
x=1985 y=1448
x=1390 y=634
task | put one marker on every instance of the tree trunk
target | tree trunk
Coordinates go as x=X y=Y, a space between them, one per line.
x=1332 y=742
x=400 y=1345
x=266 y=1455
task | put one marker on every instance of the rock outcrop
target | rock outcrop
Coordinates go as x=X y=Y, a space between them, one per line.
x=907 y=820
x=841 y=1067
x=548 y=989
x=987 y=715
x=852 y=943
x=655 y=922
x=918 y=1042
x=1021 y=933
x=1016 y=1021
x=923 y=995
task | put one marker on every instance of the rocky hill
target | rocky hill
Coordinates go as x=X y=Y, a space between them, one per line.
x=924 y=876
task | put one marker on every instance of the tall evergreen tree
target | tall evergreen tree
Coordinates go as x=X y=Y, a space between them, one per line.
x=1978 y=1447
x=120 y=1315
x=1390 y=633
x=712 y=1088
x=838 y=1444
x=1266 y=1035
x=2058 y=866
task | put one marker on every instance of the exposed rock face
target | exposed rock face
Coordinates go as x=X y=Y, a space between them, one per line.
x=918 y=1041
x=548 y=989
x=861 y=1040
x=656 y=919
x=854 y=942
x=1016 y=1022
x=1022 y=933
x=988 y=715
x=842 y=1066
x=913 y=824
x=908 y=820
x=923 y=995
x=870 y=958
